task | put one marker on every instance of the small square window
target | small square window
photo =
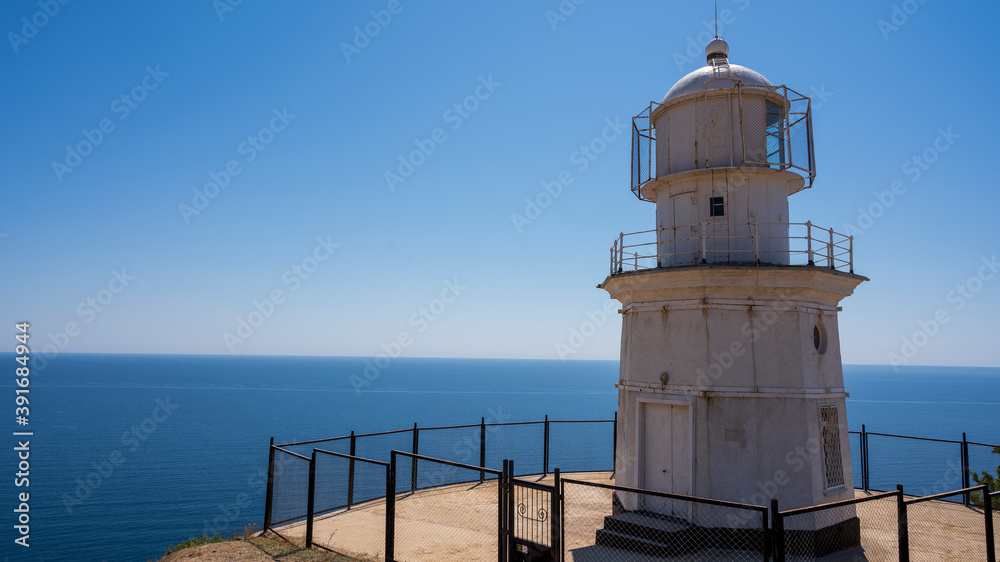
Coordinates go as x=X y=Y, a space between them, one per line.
x=717 y=206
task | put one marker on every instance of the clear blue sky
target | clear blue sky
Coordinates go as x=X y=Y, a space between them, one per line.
x=198 y=81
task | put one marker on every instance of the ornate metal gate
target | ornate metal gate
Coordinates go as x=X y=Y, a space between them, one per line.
x=531 y=519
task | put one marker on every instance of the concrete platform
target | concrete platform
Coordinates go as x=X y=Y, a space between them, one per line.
x=459 y=523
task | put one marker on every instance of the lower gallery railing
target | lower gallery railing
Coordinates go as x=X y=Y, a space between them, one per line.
x=395 y=504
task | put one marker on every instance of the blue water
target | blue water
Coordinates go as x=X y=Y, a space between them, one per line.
x=132 y=453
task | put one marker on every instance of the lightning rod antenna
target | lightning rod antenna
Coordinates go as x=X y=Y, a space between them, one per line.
x=716 y=19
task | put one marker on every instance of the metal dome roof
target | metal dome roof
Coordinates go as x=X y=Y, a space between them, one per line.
x=716 y=75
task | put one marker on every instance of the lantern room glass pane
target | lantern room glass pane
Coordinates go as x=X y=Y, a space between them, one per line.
x=775 y=135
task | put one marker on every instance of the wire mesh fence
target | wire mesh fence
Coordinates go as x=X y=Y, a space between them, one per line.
x=349 y=514
x=984 y=468
x=922 y=466
x=581 y=446
x=604 y=522
x=523 y=443
x=860 y=529
x=941 y=527
x=452 y=521
x=290 y=490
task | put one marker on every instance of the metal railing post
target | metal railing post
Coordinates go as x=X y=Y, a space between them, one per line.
x=510 y=507
x=850 y=252
x=269 y=496
x=556 y=511
x=621 y=250
x=311 y=500
x=809 y=242
x=545 y=447
x=413 y=463
x=482 y=448
x=829 y=251
x=965 y=469
x=991 y=547
x=903 y=527
x=350 y=471
x=390 y=509
x=614 y=444
x=777 y=532
x=502 y=514
x=864 y=458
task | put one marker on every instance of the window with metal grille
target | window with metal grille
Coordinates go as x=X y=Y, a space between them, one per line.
x=716 y=207
x=829 y=428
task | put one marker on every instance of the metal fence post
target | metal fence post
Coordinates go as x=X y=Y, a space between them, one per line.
x=350 y=472
x=269 y=496
x=510 y=507
x=829 y=252
x=864 y=458
x=991 y=552
x=545 y=447
x=621 y=236
x=311 y=500
x=413 y=462
x=556 y=512
x=482 y=448
x=777 y=532
x=809 y=243
x=903 y=526
x=965 y=469
x=502 y=514
x=614 y=443
x=390 y=509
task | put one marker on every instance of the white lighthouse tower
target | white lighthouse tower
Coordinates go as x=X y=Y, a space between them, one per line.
x=731 y=382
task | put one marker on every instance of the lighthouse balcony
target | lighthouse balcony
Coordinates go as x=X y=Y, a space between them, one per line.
x=709 y=243
x=745 y=126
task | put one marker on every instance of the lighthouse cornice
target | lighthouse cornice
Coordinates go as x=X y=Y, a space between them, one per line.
x=751 y=284
x=738 y=176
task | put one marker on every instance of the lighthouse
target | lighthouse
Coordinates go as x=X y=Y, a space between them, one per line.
x=731 y=383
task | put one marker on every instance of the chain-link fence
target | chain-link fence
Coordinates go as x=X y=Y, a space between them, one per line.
x=609 y=523
x=923 y=466
x=942 y=527
x=290 y=487
x=572 y=454
x=865 y=528
x=349 y=505
x=458 y=519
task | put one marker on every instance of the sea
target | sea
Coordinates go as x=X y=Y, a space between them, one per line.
x=130 y=454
